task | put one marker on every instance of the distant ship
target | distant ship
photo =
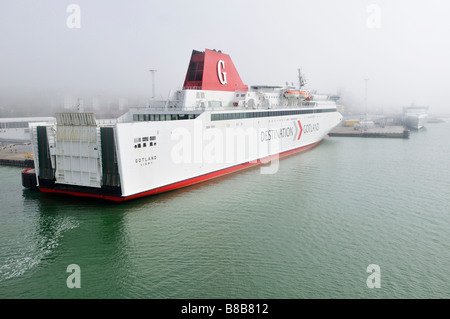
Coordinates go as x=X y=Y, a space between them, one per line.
x=435 y=120
x=214 y=126
x=16 y=129
x=415 y=117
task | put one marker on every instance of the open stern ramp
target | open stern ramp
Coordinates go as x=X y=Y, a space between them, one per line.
x=78 y=150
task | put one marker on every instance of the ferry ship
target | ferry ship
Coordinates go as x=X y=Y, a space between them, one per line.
x=214 y=125
x=415 y=117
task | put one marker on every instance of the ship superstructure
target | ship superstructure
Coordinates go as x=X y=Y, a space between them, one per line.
x=213 y=126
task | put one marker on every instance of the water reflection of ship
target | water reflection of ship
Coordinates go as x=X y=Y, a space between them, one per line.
x=415 y=117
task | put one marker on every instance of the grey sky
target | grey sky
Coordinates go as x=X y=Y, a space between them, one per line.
x=406 y=58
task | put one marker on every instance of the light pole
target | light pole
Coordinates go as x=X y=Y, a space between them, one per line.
x=365 y=100
x=153 y=83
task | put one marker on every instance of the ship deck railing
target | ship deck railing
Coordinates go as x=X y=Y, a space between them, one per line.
x=171 y=107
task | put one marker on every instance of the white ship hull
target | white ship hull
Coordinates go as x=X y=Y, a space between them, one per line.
x=416 y=121
x=415 y=117
x=202 y=146
x=16 y=130
x=15 y=135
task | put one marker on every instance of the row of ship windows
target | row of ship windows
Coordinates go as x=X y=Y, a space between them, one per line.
x=163 y=117
x=144 y=140
x=243 y=95
x=246 y=115
x=144 y=144
x=14 y=125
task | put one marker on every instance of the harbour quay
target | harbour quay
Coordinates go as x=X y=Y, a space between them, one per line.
x=18 y=154
x=377 y=132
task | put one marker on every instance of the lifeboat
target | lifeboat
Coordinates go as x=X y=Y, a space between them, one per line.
x=296 y=94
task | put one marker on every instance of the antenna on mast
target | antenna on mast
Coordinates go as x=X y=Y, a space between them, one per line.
x=153 y=83
x=78 y=105
x=301 y=79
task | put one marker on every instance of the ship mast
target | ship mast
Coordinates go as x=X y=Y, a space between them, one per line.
x=153 y=83
x=301 y=79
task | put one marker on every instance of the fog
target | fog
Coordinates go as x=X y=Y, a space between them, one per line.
x=52 y=55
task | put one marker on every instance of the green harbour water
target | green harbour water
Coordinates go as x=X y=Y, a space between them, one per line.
x=308 y=231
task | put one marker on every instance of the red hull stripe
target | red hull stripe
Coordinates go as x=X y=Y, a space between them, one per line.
x=181 y=184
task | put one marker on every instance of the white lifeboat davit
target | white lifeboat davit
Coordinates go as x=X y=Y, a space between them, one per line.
x=296 y=94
